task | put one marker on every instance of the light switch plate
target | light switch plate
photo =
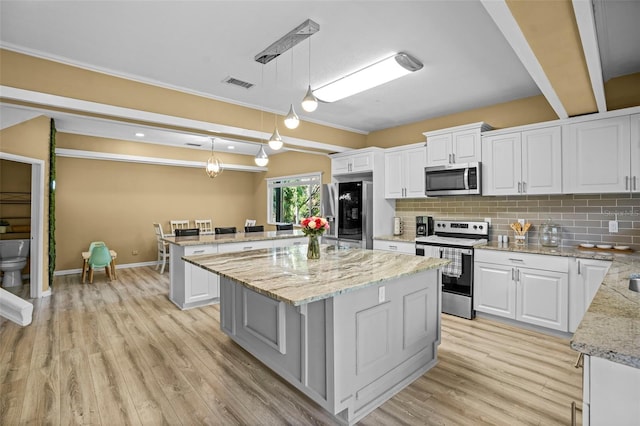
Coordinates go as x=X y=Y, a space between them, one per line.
x=613 y=226
x=381 y=294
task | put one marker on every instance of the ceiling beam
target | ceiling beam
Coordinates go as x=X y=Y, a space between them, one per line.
x=502 y=16
x=585 y=19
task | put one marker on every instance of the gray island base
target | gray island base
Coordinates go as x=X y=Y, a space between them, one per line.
x=349 y=330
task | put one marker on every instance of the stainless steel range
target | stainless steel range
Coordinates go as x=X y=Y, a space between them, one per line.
x=455 y=240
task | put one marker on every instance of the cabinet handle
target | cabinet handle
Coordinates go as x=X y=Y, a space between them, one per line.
x=513 y=259
x=198 y=251
x=519 y=187
x=626 y=182
x=453 y=156
x=524 y=186
x=247 y=248
x=635 y=186
x=449 y=158
x=574 y=409
x=518 y=274
x=513 y=274
x=393 y=247
x=580 y=361
x=579 y=273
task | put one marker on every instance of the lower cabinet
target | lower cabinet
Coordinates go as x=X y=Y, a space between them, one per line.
x=395 y=246
x=529 y=288
x=610 y=393
x=585 y=278
x=200 y=284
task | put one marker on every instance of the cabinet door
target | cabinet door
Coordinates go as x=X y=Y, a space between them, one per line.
x=393 y=174
x=635 y=153
x=502 y=164
x=340 y=165
x=200 y=284
x=542 y=298
x=362 y=163
x=542 y=161
x=439 y=149
x=593 y=272
x=415 y=162
x=466 y=147
x=595 y=156
x=494 y=290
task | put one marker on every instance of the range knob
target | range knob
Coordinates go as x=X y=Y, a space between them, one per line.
x=476 y=227
x=481 y=226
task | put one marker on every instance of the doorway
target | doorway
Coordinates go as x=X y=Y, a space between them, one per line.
x=37 y=234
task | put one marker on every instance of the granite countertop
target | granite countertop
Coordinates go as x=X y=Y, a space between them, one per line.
x=610 y=328
x=405 y=238
x=232 y=238
x=286 y=274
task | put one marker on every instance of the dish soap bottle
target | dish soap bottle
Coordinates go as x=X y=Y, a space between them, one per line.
x=549 y=234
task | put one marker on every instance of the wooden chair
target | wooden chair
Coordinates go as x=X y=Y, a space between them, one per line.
x=250 y=222
x=284 y=226
x=227 y=230
x=257 y=228
x=204 y=225
x=178 y=224
x=163 y=247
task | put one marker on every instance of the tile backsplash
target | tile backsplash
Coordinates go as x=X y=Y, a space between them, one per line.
x=584 y=218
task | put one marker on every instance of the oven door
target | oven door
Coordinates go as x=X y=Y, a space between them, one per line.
x=459 y=284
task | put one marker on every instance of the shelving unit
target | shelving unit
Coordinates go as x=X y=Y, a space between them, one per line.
x=15 y=208
x=15 y=197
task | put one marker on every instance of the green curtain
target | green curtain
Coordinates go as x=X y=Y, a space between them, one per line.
x=52 y=202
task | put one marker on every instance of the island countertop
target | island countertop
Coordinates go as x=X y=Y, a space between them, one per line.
x=287 y=275
x=238 y=237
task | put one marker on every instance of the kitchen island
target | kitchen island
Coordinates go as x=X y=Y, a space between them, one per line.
x=191 y=287
x=349 y=330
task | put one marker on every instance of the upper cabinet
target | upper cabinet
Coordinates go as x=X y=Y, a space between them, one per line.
x=634 y=185
x=598 y=156
x=518 y=163
x=404 y=171
x=455 y=145
x=356 y=161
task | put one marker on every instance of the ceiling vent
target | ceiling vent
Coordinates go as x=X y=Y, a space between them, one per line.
x=236 y=82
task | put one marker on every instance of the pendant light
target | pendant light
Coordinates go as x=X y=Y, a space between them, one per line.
x=275 y=141
x=309 y=102
x=261 y=157
x=291 y=120
x=214 y=166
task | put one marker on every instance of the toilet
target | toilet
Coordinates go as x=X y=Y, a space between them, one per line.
x=13 y=258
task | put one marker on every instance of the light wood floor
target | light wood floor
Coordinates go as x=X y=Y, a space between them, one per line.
x=120 y=353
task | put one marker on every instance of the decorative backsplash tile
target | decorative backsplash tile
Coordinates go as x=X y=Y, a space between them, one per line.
x=584 y=218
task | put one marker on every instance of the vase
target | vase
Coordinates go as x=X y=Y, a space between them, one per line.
x=313 y=249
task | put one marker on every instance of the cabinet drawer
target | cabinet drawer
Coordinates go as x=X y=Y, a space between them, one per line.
x=534 y=261
x=395 y=246
x=195 y=250
x=287 y=242
x=244 y=246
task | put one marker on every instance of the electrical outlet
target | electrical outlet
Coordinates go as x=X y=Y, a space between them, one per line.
x=134 y=252
x=521 y=222
x=613 y=226
x=381 y=294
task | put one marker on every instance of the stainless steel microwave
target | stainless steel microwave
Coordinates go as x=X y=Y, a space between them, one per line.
x=453 y=179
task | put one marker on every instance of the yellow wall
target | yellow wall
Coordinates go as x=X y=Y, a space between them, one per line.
x=31 y=139
x=15 y=177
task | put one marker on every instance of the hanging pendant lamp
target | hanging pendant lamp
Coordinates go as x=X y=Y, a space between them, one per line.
x=275 y=141
x=292 y=121
x=261 y=157
x=214 y=166
x=309 y=102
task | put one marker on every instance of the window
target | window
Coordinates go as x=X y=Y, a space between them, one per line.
x=292 y=198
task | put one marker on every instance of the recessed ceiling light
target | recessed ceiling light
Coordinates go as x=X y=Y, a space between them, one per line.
x=140 y=134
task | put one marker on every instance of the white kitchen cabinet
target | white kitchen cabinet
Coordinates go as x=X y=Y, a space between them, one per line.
x=357 y=161
x=634 y=185
x=585 y=277
x=395 y=246
x=597 y=156
x=404 y=172
x=245 y=246
x=199 y=287
x=610 y=393
x=525 y=287
x=291 y=242
x=455 y=145
x=528 y=162
x=200 y=284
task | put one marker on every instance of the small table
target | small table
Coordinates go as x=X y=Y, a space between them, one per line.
x=85 y=261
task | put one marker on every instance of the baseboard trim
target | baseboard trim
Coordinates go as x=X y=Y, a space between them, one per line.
x=124 y=266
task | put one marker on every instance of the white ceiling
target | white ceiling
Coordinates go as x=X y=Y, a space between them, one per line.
x=193 y=46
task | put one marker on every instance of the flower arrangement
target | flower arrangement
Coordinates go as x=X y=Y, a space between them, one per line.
x=314 y=225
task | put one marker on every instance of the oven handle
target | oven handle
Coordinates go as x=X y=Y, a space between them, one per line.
x=467 y=252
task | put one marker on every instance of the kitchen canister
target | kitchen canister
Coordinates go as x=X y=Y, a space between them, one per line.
x=549 y=234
